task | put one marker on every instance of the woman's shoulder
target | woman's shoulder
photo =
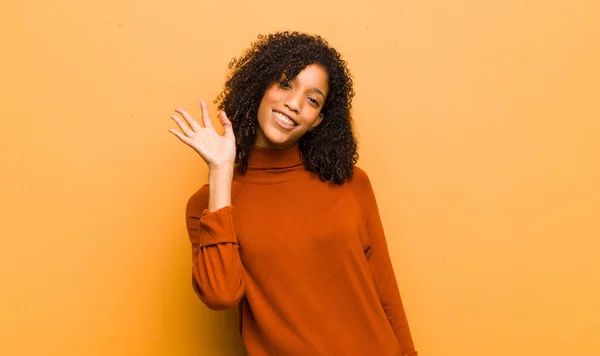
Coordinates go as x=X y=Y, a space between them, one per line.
x=360 y=183
x=359 y=177
x=199 y=200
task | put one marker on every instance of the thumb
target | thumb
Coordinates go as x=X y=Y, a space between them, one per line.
x=226 y=124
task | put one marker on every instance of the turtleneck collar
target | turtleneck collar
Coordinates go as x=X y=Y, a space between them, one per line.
x=274 y=165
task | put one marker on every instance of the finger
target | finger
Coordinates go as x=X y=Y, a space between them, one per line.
x=205 y=114
x=184 y=128
x=188 y=118
x=181 y=136
x=226 y=124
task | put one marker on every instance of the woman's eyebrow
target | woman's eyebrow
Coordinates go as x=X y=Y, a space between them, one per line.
x=318 y=91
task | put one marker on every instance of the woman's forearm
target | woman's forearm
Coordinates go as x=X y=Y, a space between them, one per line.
x=219 y=180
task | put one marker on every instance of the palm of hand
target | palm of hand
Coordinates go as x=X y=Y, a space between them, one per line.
x=216 y=150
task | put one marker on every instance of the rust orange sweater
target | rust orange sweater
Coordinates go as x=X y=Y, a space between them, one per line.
x=306 y=262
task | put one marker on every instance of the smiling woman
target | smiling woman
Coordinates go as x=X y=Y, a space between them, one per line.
x=288 y=228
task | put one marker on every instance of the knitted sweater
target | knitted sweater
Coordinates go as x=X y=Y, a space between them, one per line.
x=306 y=262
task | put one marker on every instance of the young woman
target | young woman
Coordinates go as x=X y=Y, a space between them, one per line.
x=288 y=228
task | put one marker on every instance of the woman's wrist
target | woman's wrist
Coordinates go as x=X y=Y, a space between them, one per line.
x=220 y=172
x=219 y=180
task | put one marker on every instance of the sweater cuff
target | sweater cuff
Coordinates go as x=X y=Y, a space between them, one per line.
x=216 y=227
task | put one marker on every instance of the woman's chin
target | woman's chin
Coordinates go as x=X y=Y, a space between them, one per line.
x=279 y=139
x=281 y=145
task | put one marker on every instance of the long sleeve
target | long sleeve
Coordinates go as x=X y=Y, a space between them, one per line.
x=217 y=273
x=381 y=265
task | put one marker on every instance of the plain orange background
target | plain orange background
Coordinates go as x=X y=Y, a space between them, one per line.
x=479 y=126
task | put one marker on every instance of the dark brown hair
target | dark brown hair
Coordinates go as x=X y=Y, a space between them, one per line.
x=330 y=150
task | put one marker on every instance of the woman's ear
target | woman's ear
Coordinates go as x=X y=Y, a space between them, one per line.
x=317 y=122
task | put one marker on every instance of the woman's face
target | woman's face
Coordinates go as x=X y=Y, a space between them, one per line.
x=289 y=109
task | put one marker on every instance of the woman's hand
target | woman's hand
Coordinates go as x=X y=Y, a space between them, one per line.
x=218 y=151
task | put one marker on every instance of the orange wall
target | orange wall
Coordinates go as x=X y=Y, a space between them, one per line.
x=479 y=125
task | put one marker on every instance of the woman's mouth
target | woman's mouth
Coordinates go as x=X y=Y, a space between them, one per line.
x=284 y=121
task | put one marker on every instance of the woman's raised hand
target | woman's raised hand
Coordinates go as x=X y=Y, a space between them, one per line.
x=218 y=151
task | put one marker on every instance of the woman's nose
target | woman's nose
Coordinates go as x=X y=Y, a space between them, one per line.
x=292 y=102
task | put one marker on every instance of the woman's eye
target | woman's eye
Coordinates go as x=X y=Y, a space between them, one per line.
x=313 y=101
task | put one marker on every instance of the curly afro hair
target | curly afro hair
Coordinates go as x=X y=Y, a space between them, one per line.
x=330 y=150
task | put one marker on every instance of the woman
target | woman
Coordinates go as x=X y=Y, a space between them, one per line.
x=288 y=228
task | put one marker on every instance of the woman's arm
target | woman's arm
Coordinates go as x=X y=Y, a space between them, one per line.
x=381 y=265
x=217 y=273
x=217 y=268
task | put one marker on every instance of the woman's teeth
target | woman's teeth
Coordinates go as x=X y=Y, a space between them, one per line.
x=284 y=118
